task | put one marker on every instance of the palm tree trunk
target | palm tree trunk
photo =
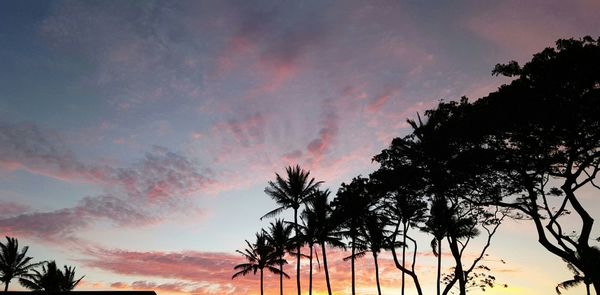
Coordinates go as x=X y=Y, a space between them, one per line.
x=6 y=285
x=325 y=267
x=298 y=252
x=405 y=228
x=352 y=259
x=377 y=273
x=587 y=288
x=281 y=277
x=310 y=271
x=439 y=266
x=261 y=282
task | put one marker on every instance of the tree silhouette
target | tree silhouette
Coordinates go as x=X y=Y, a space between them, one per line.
x=291 y=193
x=327 y=233
x=547 y=149
x=308 y=236
x=51 y=279
x=14 y=263
x=373 y=237
x=577 y=280
x=351 y=205
x=259 y=255
x=403 y=202
x=437 y=225
x=279 y=237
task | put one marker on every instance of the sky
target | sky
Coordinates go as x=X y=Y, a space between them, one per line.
x=137 y=137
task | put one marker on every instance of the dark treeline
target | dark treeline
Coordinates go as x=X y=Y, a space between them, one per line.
x=525 y=151
x=35 y=276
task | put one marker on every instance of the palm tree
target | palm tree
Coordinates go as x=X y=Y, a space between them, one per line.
x=51 y=279
x=14 y=264
x=578 y=278
x=260 y=255
x=351 y=205
x=327 y=233
x=291 y=193
x=373 y=238
x=279 y=237
x=437 y=225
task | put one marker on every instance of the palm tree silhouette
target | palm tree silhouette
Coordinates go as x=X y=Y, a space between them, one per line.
x=437 y=225
x=373 y=238
x=279 y=237
x=51 y=279
x=14 y=263
x=308 y=235
x=578 y=278
x=327 y=233
x=259 y=255
x=351 y=205
x=291 y=193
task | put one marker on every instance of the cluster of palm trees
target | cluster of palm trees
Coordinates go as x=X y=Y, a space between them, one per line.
x=35 y=276
x=367 y=216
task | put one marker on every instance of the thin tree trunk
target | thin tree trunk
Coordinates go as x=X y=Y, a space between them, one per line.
x=6 y=285
x=310 y=271
x=325 y=267
x=377 y=273
x=587 y=288
x=261 y=282
x=352 y=259
x=298 y=253
x=404 y=229
x=439 y=266
x=458 y=270
x=281 y=277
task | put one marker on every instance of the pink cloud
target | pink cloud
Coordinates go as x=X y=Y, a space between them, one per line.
x=12 y=208
x=379 y=101
x=249 y=130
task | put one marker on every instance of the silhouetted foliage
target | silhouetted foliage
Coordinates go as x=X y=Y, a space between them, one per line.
x=51 y=279
x=260 y=255
x=291 y=193
x=14 y=263
x=279 y=237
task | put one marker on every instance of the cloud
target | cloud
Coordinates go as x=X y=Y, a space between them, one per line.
x=248 y=130
x=29 y=147
x=329 y=130
x=199 y=272
x=11 y=208
x=64 y=223
x=158 y=185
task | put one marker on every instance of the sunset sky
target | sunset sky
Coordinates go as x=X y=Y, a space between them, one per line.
x=137 y=137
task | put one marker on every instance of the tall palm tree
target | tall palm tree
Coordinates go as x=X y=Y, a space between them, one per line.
x=327 y=233
x=291 y=193
x=351 y=205
x=437 y=224
x=51 y=279
x=259 y=255
x=14 y=263
x=279 y=237
x=373 y=238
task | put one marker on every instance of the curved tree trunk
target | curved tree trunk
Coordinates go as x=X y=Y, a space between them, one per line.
x=6 y=285
x=458 y=270
x=377 y=273
x=298 y=253
x=325 y=267
x=310 y=271
x=261 y=282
